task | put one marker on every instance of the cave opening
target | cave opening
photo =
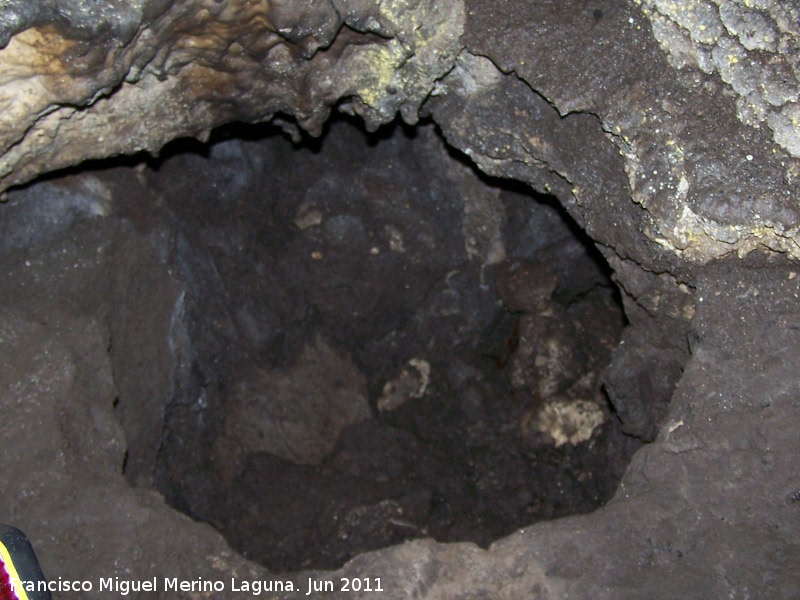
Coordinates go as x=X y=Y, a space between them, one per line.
x=367 y=340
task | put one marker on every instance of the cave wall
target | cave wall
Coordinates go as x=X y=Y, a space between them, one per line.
x=670 y=133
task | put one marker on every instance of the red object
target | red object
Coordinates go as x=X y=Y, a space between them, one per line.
x=6 y=589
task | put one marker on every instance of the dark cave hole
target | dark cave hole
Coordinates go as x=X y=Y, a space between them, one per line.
x=378 y=343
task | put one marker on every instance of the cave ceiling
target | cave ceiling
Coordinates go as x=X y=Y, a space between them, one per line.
x=689 y=146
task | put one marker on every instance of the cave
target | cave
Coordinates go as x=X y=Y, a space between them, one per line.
x=369 y=340
x=447 y=299
x=381 y=339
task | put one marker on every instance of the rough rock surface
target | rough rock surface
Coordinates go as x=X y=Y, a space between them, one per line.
x=725 y=120
x=65 y=442
x=393 y=268
x=668 y=130
x=77 y=82
x=265 y=414
x=710 y=508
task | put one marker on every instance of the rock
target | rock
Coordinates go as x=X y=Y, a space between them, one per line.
x=525 y=286
x=668 y=131
x=410 y=383
x=564 y=421
x=296 y=413
x=63 y=458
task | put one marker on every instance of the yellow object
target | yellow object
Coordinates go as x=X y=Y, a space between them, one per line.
x=21 y=577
